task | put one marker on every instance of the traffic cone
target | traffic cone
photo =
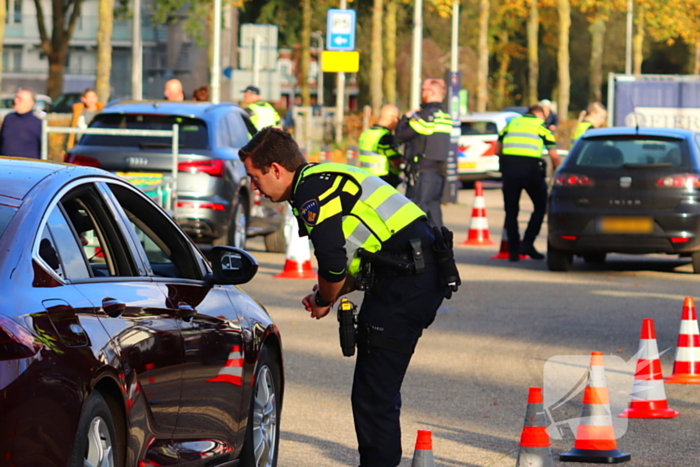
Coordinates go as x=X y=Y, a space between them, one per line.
x=534 y=448
x=298 y=262
x=648 y=393
x=479 y=225
x=232 y=372
x=423 y=455
x=595 y=436
x=504 y=251
x=686 y=368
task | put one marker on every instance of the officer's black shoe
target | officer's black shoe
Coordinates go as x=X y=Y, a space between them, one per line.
x=513 y=257
x=531 y=252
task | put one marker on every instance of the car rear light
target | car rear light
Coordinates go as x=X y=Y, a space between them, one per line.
x=573 y=180
x=679 y=181
x=198 y=205
x=214 y=167
x=680 y=239
x=82 y=160
x=569 y=237
x=15 y=341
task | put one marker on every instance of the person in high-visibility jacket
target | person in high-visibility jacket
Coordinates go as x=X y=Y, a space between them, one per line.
x=427 y=134
x=593 y=117
x=353 y=217
x=262 y=113
x=378 y=152
x=520 y=147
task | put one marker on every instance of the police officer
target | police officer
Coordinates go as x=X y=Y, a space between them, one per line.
x=262 y=113
x=378 y=152
x=350 y=216
x=520 y=146
x=593 y=117
x=426 y=133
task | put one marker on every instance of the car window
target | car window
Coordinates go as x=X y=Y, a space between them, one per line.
x=7 y=103
x=6 y=215
x=697 y=142
x=631 y=151
x=193 y=131
x=238 y=130
x=167 y=249
x=59 y=248
x=479 y=128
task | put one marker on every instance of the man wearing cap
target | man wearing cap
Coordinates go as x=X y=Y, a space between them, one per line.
x=262 y=114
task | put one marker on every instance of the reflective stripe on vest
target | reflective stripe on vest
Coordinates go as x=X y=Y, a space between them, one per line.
x=522 y=138
x=378 y=214
x=370 y=158
x=441 y=123
x=263 y=115
x=581 y=128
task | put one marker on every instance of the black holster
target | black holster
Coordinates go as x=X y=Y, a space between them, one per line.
x=445 y=259
x=347 y=328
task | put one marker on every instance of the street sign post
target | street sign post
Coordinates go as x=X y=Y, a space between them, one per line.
x=341 y=30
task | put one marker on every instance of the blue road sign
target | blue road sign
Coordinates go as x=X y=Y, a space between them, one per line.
x=340 y=30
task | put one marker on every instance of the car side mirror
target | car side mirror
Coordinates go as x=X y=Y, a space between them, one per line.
x=232 y=266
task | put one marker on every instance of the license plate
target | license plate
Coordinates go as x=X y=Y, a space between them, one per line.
x=629 y=225
x=467 y=165
x=142 y=180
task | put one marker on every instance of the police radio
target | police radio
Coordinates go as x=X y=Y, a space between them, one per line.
x=347 y=319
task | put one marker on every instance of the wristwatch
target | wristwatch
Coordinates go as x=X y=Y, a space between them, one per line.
x=320 y=301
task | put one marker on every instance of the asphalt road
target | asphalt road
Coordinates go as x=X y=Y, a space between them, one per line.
x=511 y=326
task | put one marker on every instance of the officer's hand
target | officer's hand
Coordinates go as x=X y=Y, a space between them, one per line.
x=317 y=312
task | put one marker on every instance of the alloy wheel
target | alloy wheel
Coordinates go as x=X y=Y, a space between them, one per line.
x=265 y=419
x=99 y=452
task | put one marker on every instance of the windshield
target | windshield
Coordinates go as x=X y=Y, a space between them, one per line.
x=630 y=152
x=193 y=132
x=6 y=215
x=479 y=128
x=65 y=100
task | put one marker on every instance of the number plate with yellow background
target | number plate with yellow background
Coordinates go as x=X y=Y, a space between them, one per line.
x=626 y=225
x=467 y=165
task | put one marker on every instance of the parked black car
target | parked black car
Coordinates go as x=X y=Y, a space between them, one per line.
x=626 y=190
x=119 y=345
x=216 y=202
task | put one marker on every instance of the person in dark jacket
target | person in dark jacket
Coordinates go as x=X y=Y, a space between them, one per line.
x=20 y=134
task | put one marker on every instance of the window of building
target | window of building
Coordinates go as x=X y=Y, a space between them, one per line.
x=14 y=11
x=12 y=58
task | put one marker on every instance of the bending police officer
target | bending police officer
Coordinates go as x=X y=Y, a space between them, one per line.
x=349 y=216
x=378 y=152
x=426 y=133
x=520 y=146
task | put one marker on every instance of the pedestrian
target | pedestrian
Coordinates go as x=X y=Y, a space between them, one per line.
x=378 y=152
x=520 y=147
x=351 y=216
x=20 y=135
x=593 y=117
x=173 y=91
x=426 y=133
x=261 y=113
x=83 y=113
x=201 y=93
x=551 y=119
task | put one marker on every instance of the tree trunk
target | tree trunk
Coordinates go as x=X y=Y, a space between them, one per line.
x=390 y=51
x=482 y=93
x=104 y=49
x=638 y=42
x=305 y=53
x=696 y=67
x=563 y=59
x=595 y=80
x=57 y=65
x=504 y=64
x=375 y=84
x=533 y=60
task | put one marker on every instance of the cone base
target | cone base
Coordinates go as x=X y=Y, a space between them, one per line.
x=293 y=270
x=506 y=255
x=683 y=379
x=649 y=413
x=534 y=457
x=612 y=456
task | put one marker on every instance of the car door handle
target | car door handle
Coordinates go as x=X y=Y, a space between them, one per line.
x=113 y=307
x=185 y=311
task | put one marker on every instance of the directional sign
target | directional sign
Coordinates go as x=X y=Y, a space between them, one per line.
x=341 y=30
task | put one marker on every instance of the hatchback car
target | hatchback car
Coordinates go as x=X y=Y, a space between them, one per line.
x=119 y=344
x=216 y=202
x=626 y=190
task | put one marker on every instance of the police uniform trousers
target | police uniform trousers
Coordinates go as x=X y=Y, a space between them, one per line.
x=397 y=309
x=427 y=194
x=526 y=177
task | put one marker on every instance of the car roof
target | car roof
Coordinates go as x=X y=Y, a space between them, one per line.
x=489 y=116
x=162 y=107
x=645 y=131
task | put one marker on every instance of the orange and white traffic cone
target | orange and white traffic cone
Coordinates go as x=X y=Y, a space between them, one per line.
x=534 y=448
x=232 y=372
x=423 y=455
x=686 y=367
x=504 y=251
x=298 y=262
x=479 y=224
x=595 y=436
x=648 y=393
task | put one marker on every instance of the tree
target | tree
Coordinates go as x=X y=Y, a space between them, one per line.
x=482 y=94
x=563 y=59
x=375 y=83
x=390 y=51
x=104 y=49
x=305 y=52
x=533 y=61
x=65 y=16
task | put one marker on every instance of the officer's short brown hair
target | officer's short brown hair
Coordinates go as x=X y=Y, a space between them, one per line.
x=535 y=108
x=273 y=145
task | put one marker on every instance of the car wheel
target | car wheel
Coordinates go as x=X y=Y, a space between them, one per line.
x=262 y=434
x=96 y=442
x=594 y=258
x=276 y=242
x=236 y=234
x=559 y=260
x=695 y=258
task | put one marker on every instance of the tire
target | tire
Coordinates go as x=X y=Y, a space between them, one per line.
x=236 y=234
x=276 y=242
x=695 y=259
x=96 y=443
x=594 y=258
x=559 y=260
x=261 y=444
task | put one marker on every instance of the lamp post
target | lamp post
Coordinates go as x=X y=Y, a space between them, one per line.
x=215 y=73
x=319 y=75
x=136 y=54
x=417 y=54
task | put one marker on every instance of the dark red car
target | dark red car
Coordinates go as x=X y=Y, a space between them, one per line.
x=120 y=345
